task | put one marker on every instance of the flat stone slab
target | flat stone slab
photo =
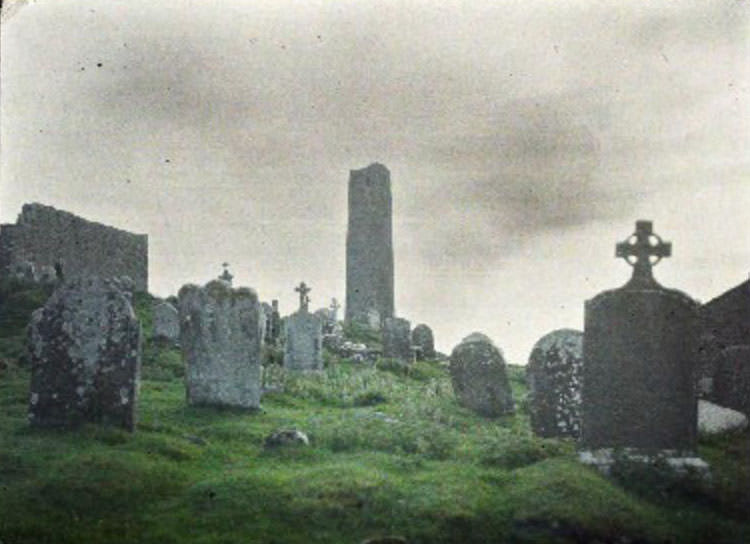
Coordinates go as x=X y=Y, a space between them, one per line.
x=683 y=464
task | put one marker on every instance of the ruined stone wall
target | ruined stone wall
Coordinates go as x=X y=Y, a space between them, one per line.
x=369 y=246
x=46 y=236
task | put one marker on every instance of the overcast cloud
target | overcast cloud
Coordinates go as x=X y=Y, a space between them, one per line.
x=523 y=139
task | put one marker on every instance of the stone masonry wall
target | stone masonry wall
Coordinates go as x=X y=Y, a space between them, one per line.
x=44 y=235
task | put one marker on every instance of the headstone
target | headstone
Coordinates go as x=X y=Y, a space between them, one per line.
x=397 y=339
x=553 y=375
x=303 y=343
x=334 y=308
x=324 y=315
x=220 y=336
x=479 y=377
x=638 y=388
x=422 y=337
x=85 y=350
x=369 y=246
x=731 y=383
x=274 y=331
x=267 y=313
x=226 y=276
x=166 y=321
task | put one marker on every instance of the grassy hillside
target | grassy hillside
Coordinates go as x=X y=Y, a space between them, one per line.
x=391 y=454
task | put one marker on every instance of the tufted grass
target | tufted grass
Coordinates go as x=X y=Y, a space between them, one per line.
x=391 y=453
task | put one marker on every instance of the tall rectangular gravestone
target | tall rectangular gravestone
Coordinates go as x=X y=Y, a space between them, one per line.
x=220 y=335
x=303 y=339
x=639 y=359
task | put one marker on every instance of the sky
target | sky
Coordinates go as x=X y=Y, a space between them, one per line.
x=524 y=139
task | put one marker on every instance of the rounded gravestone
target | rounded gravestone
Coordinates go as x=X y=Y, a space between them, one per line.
x=422 y=337
x=554 y=379
x=85 y=348
x=731 y=386
x=479 y=376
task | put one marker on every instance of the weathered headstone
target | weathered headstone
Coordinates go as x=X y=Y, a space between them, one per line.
x=220 y=336
x=397 y=339
x=85 y=350
x=479 y=376
x=422 y=337
x=638 y=388
x=303 y=343
x=166 y=320
x=731 y=383
x=369 y=247
x=553 y=375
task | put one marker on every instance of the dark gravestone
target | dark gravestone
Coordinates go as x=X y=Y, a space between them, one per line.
x=422 y=338
x=553 y=376
x=479 y=377
x=397 y=339
x=85 y=348
x=639 y=359
x=731 y=387
x=369 y=247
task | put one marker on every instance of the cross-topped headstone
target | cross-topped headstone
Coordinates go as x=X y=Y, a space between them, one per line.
x=334 y=309
x=304 y=300
x=638 y=250
x=226 y=275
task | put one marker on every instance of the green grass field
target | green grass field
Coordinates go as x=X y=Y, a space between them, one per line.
x=391 y=454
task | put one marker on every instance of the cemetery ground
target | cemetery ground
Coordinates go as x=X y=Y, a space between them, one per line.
x=391 y=453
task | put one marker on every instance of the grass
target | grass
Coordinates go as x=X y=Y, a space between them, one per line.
x=391 y=453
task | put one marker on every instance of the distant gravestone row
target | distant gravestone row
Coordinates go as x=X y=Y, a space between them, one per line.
x=626 y=383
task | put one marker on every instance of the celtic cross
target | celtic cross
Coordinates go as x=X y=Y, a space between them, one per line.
x=643 y=250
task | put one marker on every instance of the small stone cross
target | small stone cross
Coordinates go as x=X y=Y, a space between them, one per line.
x=638 y=249
x=304 y=300
x=226 y=275
x=334 y=309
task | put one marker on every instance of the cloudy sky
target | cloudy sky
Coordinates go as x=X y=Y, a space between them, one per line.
x=523 y=138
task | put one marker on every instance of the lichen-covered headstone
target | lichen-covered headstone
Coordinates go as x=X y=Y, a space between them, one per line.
x=731 y=384
x=479 y=376
x=166 y=322
x=85 y=350
x=422 y=338
x=554 y=379
x=397 y=339
x=220 y=336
